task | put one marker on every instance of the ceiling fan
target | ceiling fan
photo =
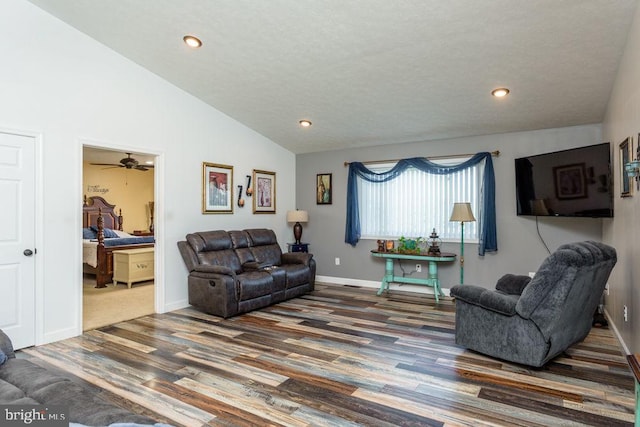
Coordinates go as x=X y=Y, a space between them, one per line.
x=127 y=163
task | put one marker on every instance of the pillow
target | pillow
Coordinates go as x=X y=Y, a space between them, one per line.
x=108 y=233
x=88 y=233
x=3 y=357
x=122 y=234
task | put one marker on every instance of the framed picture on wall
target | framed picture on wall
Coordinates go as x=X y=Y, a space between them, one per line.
x=217 y=188
x=264 y=195
x=626 y=183
x=323 y=189
x=637 y=178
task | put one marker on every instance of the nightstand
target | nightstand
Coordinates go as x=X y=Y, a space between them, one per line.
x=298 y=247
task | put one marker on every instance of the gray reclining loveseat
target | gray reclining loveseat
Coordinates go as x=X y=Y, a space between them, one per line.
x=531 y=321
x=233 y=272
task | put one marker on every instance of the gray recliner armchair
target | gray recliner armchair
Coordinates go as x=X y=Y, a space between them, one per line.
x=531 y=321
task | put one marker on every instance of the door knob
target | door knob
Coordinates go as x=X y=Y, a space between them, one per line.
x=27 y=252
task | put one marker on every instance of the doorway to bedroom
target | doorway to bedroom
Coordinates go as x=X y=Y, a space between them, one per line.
x=118 y=282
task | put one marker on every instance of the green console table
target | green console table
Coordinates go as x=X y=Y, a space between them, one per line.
x=432 y=280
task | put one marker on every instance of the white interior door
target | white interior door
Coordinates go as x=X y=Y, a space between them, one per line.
x=17 y=238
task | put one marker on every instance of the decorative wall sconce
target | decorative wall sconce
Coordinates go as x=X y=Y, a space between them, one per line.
x=633 y=169
x=240 y=199
x=249 y=189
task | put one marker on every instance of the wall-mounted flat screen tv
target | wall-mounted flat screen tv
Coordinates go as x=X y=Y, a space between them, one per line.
x=573 y=183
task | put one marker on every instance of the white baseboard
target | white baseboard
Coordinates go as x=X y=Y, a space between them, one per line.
x=61 y=334
x=376 y=285
x=617 y=333
x=177 y=305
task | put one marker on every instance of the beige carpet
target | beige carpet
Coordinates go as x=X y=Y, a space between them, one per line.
x=106 y=306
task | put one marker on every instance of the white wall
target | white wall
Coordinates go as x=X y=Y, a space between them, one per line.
x=519 y=248
x=73 y=90
x=623 y=120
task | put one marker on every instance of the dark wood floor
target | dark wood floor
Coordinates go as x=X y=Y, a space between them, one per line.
x=340 y=356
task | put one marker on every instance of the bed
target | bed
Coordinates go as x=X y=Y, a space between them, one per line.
x=103 y=235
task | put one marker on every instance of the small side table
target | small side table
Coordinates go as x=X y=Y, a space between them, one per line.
x=298 y=247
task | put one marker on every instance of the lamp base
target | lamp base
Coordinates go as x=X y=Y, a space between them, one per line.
x=297 y=232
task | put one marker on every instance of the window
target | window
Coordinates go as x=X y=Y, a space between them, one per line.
x=416 y=202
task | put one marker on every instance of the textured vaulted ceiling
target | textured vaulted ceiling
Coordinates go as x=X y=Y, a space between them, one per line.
x=374 y=72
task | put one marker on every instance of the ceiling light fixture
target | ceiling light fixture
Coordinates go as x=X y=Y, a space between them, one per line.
x=500 y=92
x=305 y=123
x=192 y=41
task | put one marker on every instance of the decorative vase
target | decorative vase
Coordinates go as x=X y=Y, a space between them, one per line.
x=151 y=206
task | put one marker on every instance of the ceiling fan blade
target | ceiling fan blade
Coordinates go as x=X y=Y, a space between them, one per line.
x=140 y=168
x=106 y=164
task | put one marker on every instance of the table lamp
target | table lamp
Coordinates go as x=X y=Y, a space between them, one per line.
x=297 y=217
x=462 y=212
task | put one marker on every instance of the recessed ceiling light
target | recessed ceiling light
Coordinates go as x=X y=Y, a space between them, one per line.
x=500 y=92
x=305 y=123
x=192 y=41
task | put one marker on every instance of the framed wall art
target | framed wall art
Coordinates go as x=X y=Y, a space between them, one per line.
x=637 y=178
x=217 y=188
x=570 y=181
x=323 y=189
x=626 y=183
x=264 y=194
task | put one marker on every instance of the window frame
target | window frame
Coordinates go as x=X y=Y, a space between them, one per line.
x=452 y=237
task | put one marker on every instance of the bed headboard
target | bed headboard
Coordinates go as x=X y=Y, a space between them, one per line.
x=92 y=208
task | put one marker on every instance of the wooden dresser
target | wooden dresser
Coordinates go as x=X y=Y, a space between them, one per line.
x=133 y=265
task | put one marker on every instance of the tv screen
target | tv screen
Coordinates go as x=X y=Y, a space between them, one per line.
x=574 y=183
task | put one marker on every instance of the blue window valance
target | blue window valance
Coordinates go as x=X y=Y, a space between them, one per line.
x=486 y=218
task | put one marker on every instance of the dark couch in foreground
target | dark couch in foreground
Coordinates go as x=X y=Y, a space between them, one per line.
x=233 y=272
x=22 y=382
x=531 y=321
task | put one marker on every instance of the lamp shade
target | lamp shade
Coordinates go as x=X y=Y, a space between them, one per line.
x=297 y=216
x=462 y=212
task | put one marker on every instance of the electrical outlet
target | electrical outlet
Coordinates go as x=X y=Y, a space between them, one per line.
x=606 y=288
x=625 y=313
x=419 y=268
x=337 y=261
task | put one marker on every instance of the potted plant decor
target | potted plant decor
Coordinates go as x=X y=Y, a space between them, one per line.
x=409 y=245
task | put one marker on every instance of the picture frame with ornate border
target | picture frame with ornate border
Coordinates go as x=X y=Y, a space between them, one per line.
x=637 y=178
x=217 y=188
x=264 y=192
x=626 y=186
x=324 y=189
